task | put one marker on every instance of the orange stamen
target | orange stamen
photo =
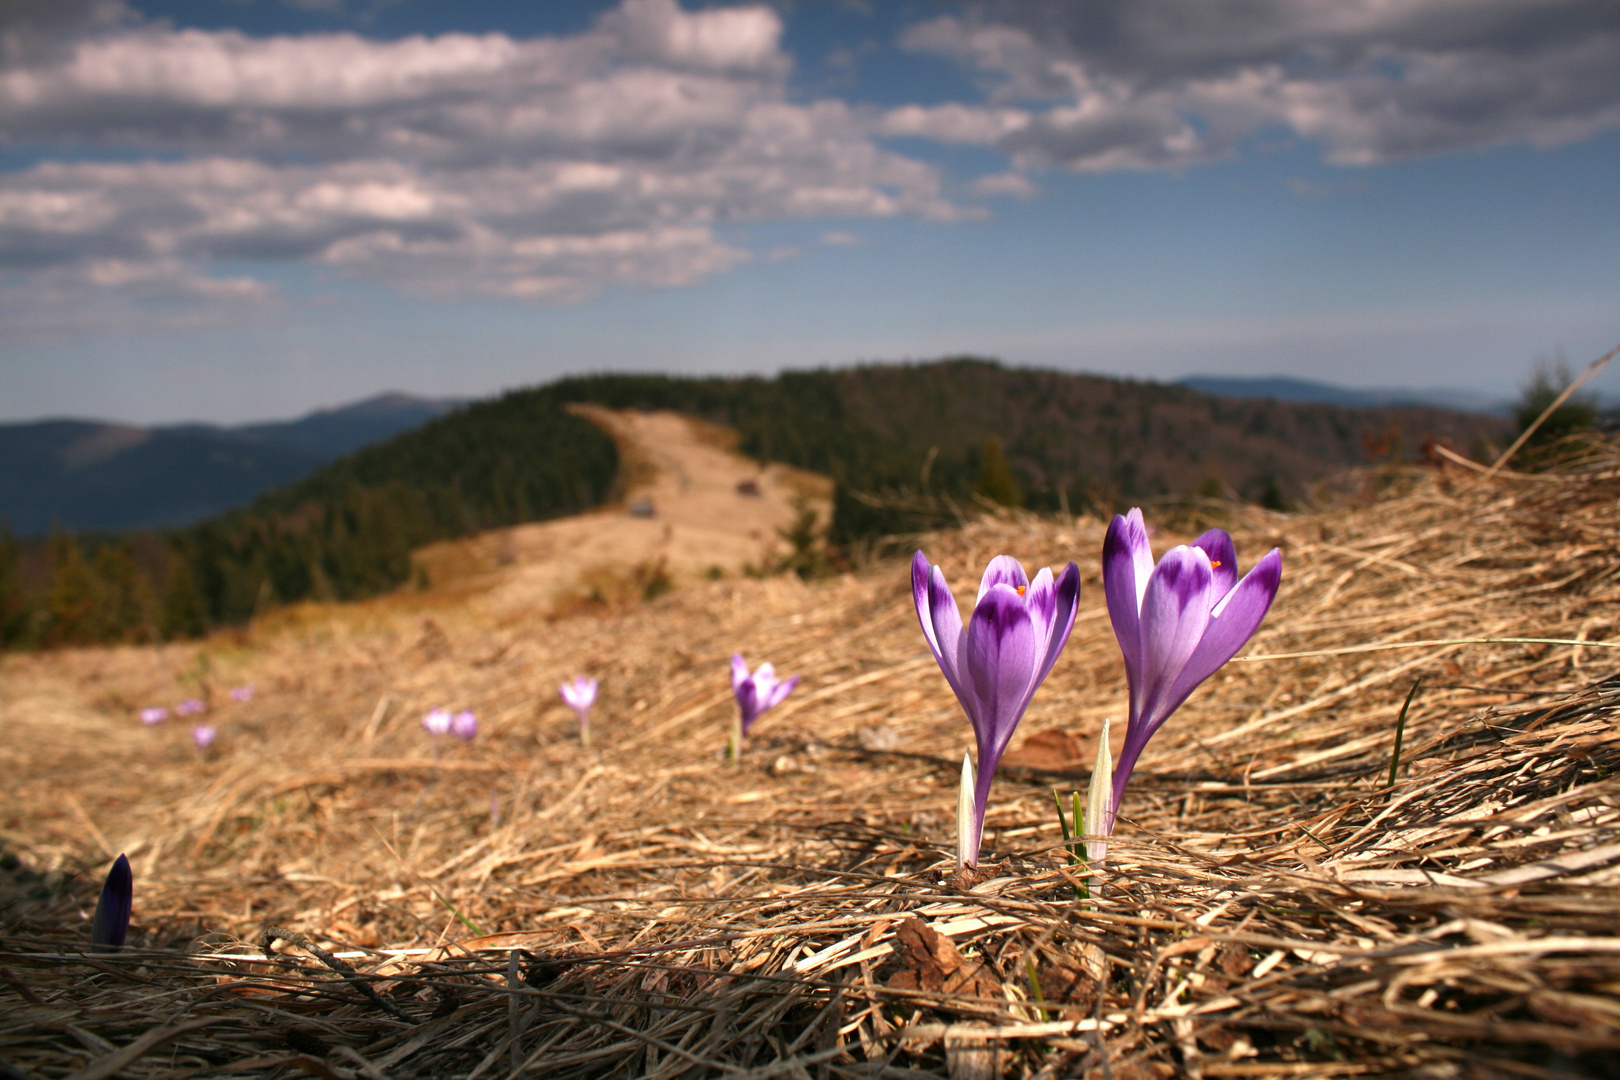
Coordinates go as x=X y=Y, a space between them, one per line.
x=1020 y=589
x=1214 y=562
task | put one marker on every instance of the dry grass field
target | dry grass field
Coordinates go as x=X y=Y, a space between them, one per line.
x=523 y=906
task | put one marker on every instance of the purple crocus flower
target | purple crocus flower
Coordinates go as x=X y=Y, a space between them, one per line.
x=155 y=715
x=580 y=695
x=242 y=693
x=437 y=722
x=110 y=924
x=755 y=694
x=203 y=736
x=464 y=725
x=190 y=707
x=997 y=661
x=1176 y=622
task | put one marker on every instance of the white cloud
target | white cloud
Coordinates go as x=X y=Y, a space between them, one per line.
x=546 y=168
x=838 y=238
x=1011 y=184
x=1164 y=83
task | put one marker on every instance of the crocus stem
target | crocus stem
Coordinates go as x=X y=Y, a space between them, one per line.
x=967 y=825
x=585 y=734
x=734 y=750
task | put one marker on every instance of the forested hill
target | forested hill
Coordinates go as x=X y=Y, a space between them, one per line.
x=1035 y=437
x=903 y=443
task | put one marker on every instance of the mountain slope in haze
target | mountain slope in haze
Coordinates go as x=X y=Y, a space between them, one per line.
x=1283 y=388
x=92 y=476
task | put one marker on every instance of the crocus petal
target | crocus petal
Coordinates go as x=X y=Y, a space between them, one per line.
x=1003 y=570
x=1041 y=604
x=1217 y=544
x=747 y=705
x=921 y=571
x=779 y=693
x=1127 y=564
x=110 y=924
x=1065 y=605
x=1002 y=657
x=1175 y=611
x=739 y=671
x=946 y=635
x=1233 y=622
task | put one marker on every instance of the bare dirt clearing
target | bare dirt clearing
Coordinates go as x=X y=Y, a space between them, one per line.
x=692 y=508
x=1271 y=906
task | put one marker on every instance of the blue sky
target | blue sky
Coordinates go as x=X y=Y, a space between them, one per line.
x=242 y=209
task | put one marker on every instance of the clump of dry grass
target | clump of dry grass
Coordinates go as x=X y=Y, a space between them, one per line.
x=1271 y=906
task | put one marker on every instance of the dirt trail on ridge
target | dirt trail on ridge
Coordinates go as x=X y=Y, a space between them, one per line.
x=692 y=507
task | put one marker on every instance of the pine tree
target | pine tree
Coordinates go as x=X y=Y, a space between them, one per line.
x=74 y=597
x=996 y=480
x=181 y=613
x=14 y=604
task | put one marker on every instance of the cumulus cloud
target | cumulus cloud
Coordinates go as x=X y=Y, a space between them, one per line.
x=1014 y=185
x=1166 y=83
x=545 y=168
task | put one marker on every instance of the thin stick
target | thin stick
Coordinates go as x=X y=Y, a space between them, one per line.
x=1392 y=645
x=1400 y=730
x=1575 y=384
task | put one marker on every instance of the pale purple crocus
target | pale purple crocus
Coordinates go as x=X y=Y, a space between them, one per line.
x=110 y=925
x=155 y=715
x=203 y=735
x=242 y=693
x=437 y=722
x=580 y=695
x=755 y=694
x=1177 y=622
x=994 y=663
x=464 y=725
x=190 y=707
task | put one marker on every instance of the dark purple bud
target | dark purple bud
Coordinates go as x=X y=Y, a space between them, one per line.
x=110 y=925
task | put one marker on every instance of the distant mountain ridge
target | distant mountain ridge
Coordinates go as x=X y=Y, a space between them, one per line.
x=1306 y=391
x=908 y=446
x=95 y=476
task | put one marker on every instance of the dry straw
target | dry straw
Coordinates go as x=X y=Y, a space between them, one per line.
x=1272 y=906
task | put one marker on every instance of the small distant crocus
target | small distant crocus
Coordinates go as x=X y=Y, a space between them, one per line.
x=995 y=663
x=190 y=707
x=437 y=722
x=203 y=735
x=242 y=693
x=580 y=695
x=1177 y=622
x=155 y=715
x=755 y=694
x=110 y=924
x=464 y=725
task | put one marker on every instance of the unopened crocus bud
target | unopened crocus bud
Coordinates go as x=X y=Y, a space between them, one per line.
x=155 y=715
x=967 y=829
x=464 y=725
x=1099 y=801
x=437 y=722
x=190 y=707
x=110 y=924
x=242 y=693
x=203 y=735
